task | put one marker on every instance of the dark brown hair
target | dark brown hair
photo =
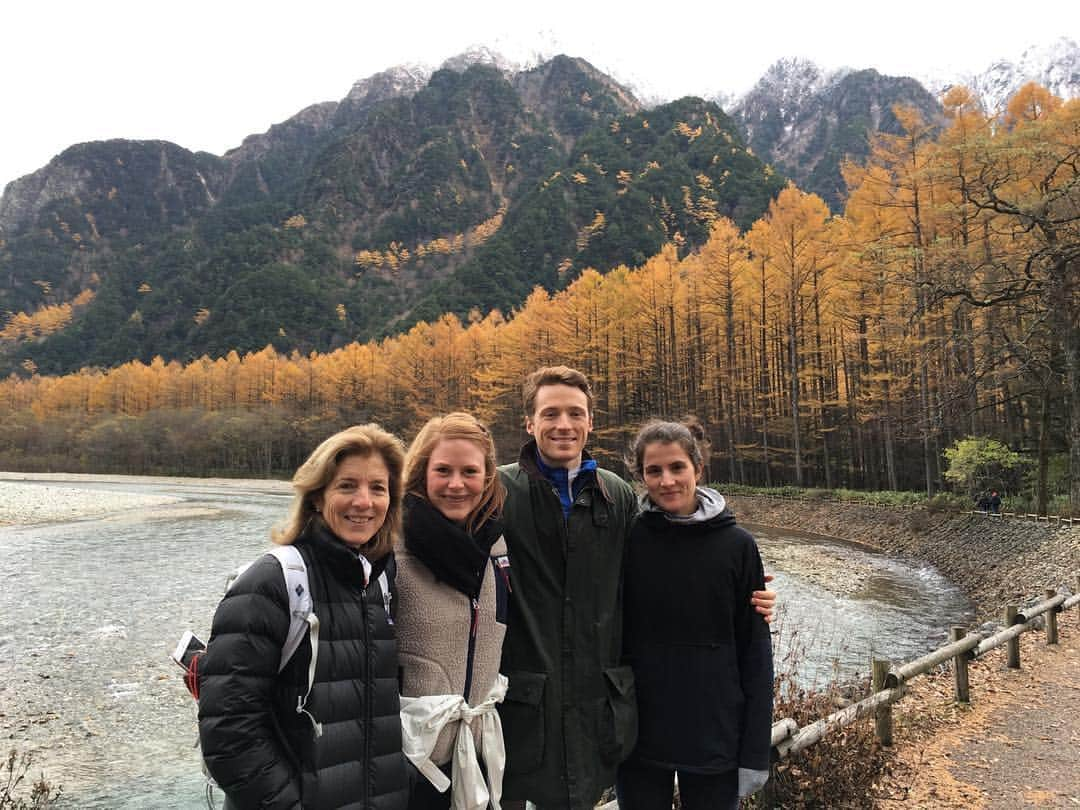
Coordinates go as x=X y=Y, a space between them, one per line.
x=688 y=434
x=554 y=375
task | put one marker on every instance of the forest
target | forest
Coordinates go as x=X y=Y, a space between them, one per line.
x=819 y=350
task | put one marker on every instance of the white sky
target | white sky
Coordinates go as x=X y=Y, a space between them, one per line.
x=205 y=74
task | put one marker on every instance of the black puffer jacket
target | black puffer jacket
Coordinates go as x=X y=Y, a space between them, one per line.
x=255 y=744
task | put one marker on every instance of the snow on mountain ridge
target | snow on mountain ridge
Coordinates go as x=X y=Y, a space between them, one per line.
x=481 y=55
x=1054 y=65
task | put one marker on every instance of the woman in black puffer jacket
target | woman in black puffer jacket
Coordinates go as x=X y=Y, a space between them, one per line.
x=263 y=742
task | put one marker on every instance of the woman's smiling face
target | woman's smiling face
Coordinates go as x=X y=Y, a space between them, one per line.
x=355 y=502
x=455 y=478
x=670 y=478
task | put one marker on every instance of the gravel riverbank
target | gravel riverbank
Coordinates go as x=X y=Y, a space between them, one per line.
x=29 y=498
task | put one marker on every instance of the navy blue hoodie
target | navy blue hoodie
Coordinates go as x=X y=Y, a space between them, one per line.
x=701 y=654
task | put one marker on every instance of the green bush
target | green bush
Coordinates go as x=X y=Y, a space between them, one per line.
x=882 y=498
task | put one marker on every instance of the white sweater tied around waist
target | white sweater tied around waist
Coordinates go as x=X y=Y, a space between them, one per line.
x=423 y=718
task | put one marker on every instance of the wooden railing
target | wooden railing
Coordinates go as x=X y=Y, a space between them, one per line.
x=888 y=680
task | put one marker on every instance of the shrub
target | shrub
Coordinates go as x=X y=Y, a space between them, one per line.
x=948 y=502
x=12 y=775
x=837 y=771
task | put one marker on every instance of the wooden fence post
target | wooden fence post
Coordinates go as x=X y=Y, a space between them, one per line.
x=1013 y=644
x=960 y=663
x=1051 y=619
x=883 y=714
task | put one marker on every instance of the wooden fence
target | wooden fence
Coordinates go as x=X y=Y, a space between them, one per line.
x=888 y=680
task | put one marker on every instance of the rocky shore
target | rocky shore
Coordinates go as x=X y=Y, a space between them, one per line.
x=995 y=561
x=30 y=498
x=26 y=503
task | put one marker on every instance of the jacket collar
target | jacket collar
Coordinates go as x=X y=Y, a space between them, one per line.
x=342 y=560
x=527 y=460
x=710 y=504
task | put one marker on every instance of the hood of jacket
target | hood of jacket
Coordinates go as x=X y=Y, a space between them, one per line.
x=712 y=510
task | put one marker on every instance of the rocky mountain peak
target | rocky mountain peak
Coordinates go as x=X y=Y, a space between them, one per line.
x=401 y=80
x=480 y=55
x=789 y=81
x=1055 y=65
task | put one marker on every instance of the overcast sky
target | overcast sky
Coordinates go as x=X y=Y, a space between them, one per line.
x=205 y=74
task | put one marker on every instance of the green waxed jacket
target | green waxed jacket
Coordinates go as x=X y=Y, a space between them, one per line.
x=570 y=714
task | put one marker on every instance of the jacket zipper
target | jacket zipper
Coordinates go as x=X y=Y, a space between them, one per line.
x=370 y=689
x=473 y=627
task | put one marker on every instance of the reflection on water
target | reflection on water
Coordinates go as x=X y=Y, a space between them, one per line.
x=92 y=609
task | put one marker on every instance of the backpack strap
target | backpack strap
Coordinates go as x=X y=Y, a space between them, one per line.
x=294 y=570
x=302 y=620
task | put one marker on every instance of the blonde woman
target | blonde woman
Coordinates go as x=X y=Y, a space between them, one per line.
x=279 y=739
x=454 y=581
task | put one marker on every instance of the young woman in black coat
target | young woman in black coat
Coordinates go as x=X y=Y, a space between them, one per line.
x=701 y=654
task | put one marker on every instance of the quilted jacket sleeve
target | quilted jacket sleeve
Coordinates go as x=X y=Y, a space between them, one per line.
x=241 y=744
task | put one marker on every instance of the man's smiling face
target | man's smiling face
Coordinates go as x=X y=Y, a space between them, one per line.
x=560 y=422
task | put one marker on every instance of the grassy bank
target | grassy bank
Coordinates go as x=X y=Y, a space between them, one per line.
x=939 y=503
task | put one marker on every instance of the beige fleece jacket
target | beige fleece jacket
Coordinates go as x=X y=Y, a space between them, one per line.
x=433 y=624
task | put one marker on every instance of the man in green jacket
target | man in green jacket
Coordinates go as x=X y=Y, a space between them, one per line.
x=569 y=716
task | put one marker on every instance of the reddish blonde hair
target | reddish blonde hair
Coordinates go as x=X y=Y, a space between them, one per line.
x=456 y=425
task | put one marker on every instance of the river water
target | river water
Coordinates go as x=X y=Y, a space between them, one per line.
x=91 y=609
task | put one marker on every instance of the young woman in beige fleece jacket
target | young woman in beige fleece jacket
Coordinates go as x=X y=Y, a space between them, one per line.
x=453 y=581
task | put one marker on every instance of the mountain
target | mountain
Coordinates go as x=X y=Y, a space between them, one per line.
x=807 y=122
x=415 y=194
x=1055 y=66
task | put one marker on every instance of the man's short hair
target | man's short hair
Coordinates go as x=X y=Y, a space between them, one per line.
x=554 y=375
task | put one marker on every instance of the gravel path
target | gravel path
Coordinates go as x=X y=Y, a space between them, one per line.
x=1017 y=745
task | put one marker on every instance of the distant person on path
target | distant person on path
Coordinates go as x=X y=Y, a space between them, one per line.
x=454 y=582
x=570 y=714
x=701 y=655
x=267 y=740
x=995 y=503
x=983 y=503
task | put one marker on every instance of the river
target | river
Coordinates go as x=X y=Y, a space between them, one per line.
x=92 y=608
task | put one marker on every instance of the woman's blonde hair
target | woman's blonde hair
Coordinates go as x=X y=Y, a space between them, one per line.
x=314 y=474
x=456 y=425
